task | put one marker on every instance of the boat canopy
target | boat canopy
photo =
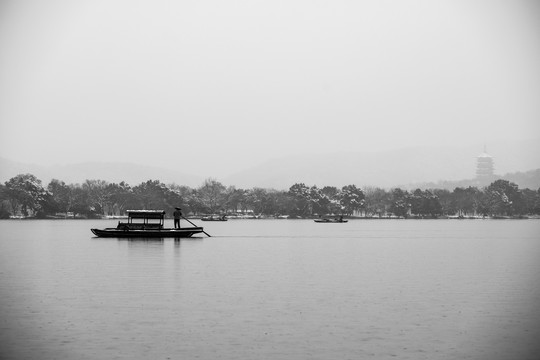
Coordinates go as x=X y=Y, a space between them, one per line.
x=146 y=214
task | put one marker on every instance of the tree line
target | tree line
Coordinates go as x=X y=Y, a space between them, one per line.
x=24 y=195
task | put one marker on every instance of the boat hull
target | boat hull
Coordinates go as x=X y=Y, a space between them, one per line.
x=155 y=233
x=330 y=221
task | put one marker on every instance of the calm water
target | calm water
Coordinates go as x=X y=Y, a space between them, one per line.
x=273 y=289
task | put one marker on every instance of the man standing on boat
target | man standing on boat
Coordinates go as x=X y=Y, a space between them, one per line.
x=177 y=215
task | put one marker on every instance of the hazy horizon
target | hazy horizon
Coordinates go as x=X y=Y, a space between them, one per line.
x=389 y=168
x=227 y=85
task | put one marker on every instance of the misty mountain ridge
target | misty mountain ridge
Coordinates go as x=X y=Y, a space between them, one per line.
x=390 y=168
x=525 y=180
x=385 y=169
x=130 y=173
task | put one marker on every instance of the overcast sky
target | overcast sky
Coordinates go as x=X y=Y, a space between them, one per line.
x=225 y=84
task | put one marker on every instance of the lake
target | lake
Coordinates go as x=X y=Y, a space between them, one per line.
x=273 y=289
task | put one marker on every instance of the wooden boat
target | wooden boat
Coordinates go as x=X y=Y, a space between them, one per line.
x=214 y=218
x=326 y=220
x=146 y=224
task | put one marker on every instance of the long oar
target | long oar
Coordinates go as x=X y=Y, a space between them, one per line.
x=207 y=234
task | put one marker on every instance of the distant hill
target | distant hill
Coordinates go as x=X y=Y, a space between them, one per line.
x=528 y=179
x=387 y=169
x=112 y=172
x=524 y=180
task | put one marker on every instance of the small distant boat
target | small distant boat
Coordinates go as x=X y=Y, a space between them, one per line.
x=327 y=220
x=146 y=224
x=214 y=218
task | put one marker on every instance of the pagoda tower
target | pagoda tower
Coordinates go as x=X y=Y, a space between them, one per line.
x=484 y=167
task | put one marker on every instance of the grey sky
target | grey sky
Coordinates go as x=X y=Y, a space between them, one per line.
x=214 y=86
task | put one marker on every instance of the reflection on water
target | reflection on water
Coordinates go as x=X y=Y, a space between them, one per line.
x=273 y=289
x=144 y=241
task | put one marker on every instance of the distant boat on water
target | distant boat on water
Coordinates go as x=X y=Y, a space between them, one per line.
x=214 y=218
x=328 y=220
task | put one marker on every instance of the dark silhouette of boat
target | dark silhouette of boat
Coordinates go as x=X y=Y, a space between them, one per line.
x=214 y=218
x=327 y=220
x=146 y=224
